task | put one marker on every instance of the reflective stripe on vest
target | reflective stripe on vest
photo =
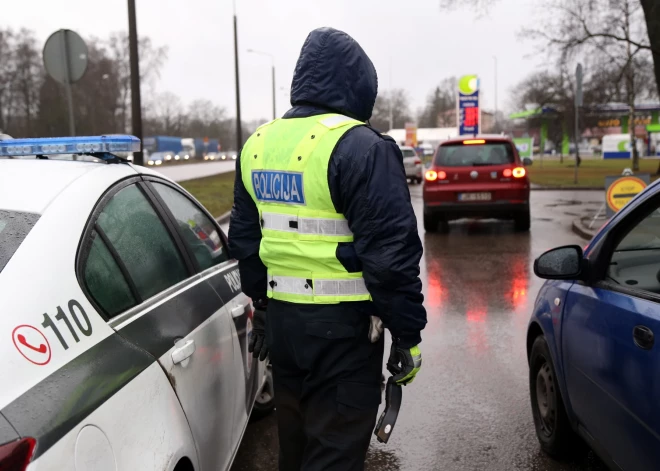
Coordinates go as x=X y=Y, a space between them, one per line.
x=317 y=287
x=303 y=225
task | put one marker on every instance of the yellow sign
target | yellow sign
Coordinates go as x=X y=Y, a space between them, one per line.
x=622 y=191
x=411 y=134
x=616 y=122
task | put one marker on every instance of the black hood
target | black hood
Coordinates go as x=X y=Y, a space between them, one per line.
x=335 y=73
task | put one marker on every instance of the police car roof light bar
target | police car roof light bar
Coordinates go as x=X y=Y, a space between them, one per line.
x=98 y=146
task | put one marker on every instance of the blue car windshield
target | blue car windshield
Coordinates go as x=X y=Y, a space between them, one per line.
x=644 y=236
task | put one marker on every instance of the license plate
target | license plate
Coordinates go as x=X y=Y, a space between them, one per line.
x=474 y=197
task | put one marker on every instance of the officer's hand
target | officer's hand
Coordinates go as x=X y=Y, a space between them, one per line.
x=404 y=363
x=257 y=345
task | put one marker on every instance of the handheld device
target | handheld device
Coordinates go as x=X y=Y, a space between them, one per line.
x=393 y=395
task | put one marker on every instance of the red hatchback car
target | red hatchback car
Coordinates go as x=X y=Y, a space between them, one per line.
x=480 y=177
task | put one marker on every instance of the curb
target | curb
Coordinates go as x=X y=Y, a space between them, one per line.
x=577 y=229
x=224 y=218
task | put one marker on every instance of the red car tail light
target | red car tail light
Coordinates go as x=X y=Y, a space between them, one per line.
x=507 y=173
x=431 y=175
x=442 y=175
x=16 y=455
x=519 y=172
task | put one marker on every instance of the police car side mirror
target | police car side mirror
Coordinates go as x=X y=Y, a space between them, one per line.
x=561 y=263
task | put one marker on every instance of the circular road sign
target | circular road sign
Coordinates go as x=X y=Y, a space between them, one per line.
x=622 y=191
x=65 y=56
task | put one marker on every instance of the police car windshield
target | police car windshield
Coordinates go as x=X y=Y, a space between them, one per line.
x=472 y=155
x=14 y=227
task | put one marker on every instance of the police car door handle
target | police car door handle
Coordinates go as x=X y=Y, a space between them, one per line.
x=238 y=311
x=183 y=351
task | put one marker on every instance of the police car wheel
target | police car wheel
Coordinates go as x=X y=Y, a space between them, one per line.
x=553 y=428
x=264 y=404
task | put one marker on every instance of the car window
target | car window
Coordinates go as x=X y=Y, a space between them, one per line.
x=104 y=279
x=14 y=227
x=408 y=153
x=635 y=262
x=460 y=155
x=142 y=242
x=198 y=231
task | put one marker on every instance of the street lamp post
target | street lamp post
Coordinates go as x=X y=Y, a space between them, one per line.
x=136 y=101
x=272 y=65
x=239 y=130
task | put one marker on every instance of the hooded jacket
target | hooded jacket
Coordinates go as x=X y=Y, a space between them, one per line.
x=367 y=184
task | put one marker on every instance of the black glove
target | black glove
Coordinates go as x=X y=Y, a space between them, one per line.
x=404 y=363
x=257 y=345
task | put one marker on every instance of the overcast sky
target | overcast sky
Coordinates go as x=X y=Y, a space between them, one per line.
x=413 y=43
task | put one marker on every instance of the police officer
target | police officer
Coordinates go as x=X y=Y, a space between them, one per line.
x=327 y=243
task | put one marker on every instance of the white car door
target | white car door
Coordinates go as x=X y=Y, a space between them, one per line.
x=178 y=318
x=223 y=363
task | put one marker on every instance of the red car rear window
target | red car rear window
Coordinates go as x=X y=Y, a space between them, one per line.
x=472 y=155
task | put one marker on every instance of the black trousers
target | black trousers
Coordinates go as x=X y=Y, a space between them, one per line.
x=327 y=377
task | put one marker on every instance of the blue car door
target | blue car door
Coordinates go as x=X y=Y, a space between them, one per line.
x=611 y=356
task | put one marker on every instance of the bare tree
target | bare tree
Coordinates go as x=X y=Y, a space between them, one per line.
x=607 y=30
x=205 y=119
x=165 y=115
x=151 y=61
x=95 y=98
x=652 y=16
x=6 y=73
x=21 y=76
x=391 y=110
x=440 y=108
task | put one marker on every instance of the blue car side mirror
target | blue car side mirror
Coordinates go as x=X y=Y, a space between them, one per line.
x=561 y=263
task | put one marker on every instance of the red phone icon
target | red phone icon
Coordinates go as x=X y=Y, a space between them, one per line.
x=42 y=347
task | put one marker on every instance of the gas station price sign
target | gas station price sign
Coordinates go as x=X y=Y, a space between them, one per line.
x=469 y=112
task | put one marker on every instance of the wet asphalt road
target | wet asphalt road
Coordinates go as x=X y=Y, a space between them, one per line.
x=468 y=408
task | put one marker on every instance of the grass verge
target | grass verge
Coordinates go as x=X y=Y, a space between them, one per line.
x=592 y=172
x=216 y=192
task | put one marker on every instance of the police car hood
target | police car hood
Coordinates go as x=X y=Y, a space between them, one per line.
x=335 y=73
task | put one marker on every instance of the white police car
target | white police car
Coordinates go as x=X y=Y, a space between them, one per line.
x=122 y=323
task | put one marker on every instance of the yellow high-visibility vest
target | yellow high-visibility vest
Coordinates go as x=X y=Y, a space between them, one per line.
x=284 y=167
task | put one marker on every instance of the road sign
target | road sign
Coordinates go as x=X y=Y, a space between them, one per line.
x=65 y=56
x=469 y=113
x=525 y=146
x=65 y=59
x=619 y=190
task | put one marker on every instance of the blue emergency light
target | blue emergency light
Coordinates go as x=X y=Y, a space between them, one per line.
x=89 y=145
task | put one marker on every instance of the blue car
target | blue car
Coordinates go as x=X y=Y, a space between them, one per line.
x=594 y=368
